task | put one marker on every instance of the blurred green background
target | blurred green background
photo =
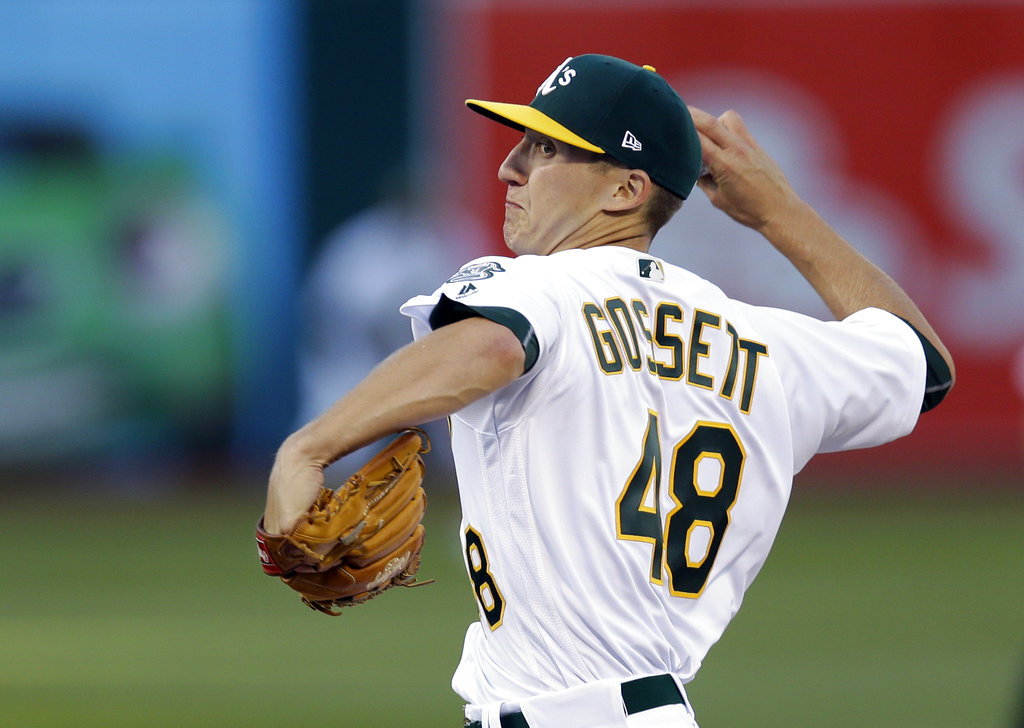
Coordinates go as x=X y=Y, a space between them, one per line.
x=873 y=610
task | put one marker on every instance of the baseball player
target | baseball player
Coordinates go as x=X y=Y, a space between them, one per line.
x=625 y=434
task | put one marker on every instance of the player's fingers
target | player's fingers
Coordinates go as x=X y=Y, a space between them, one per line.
x=732 y=121
x=708 y=185
x=711 y=132
x=707 y=152
x=708 y=148
x=711 y=162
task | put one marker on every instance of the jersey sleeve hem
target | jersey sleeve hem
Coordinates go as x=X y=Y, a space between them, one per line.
x=938 y=377
x=448 y=311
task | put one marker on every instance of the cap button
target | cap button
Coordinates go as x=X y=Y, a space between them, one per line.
x=651 y=68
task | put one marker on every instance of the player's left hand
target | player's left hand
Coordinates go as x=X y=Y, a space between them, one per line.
x=357 y=541
x=294 y=485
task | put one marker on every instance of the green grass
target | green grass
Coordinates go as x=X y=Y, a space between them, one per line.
x=875 y=611
x=870 y=612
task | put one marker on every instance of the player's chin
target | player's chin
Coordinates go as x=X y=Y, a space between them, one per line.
x=511 y=232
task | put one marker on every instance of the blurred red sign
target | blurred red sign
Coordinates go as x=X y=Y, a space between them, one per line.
x=902 y=124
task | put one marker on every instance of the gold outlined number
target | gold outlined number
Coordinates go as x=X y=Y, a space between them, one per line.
x=704 y=482
x=492 y=603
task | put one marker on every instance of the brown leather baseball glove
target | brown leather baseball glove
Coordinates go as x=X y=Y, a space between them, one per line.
x=359 y=540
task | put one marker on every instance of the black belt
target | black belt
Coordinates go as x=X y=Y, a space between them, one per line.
x=645 y=693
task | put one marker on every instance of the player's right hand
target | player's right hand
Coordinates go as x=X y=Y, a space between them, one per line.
x=739 y=177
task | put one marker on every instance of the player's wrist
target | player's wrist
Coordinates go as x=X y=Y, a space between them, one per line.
x=307 y=447
x=799 y=233
x=787 y=217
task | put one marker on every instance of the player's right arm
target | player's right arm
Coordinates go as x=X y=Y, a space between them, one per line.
x=743 y=181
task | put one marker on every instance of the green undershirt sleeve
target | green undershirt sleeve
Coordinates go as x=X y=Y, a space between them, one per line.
x=448 y=311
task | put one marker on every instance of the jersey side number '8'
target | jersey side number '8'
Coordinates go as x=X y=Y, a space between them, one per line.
x=707 y=466
x=491 y=601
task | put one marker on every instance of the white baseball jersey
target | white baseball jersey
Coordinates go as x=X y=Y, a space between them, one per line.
x=621 y=495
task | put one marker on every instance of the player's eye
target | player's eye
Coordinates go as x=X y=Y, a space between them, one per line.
x=540 y=146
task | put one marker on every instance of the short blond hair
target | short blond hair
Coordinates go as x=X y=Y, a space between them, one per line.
x=660 y=206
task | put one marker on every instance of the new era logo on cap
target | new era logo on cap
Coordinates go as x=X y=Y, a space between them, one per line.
x=631 y=142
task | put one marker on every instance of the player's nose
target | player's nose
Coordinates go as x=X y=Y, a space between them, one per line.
x=512 y=171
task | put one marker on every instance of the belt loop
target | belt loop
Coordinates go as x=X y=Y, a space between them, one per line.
x=647 y=693
x=514 y=720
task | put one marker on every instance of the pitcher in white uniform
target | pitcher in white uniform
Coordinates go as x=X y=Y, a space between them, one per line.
x=625 y=435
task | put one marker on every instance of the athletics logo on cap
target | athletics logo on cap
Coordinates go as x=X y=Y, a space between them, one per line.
x=549 y=83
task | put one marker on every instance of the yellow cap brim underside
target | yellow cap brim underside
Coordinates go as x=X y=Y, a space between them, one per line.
x=527 y=117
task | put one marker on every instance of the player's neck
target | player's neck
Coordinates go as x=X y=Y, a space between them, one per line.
x=625 y=231
x=640 y=241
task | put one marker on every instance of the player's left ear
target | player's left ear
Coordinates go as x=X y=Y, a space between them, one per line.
x=631 y=191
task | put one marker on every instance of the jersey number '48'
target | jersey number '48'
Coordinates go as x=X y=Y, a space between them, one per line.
x=704 y=482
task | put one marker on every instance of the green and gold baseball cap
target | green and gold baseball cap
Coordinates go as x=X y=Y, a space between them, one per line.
x=610 y=106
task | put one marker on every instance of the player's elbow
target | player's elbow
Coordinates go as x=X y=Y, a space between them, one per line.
x=503 y=355
x=481 y=357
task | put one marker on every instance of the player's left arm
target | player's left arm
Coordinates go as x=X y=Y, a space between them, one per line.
x=431 y=378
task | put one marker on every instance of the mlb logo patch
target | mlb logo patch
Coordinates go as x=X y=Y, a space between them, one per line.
x=651 y=269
